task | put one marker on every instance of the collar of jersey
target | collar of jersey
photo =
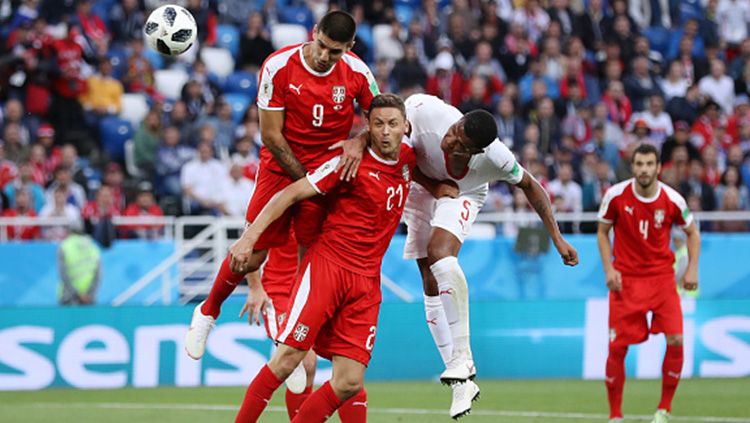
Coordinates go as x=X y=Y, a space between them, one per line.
x=311 y=70
x=645 y=199
x=380 y=159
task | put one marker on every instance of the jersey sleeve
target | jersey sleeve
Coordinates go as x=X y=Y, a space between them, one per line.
x=508 y=168
x=681 y=213
x=367 y=86
x=325 y=177
x=271 y=86
x=607 y=210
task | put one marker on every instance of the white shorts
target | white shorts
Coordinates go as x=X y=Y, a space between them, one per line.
x=423 y=212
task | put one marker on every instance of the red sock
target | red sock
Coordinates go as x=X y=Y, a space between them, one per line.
x=615 y=379
x=257 y=396
x=354 y=410
x=319 y=406
x=223 y=287
x=670 y=370
x=294 y=401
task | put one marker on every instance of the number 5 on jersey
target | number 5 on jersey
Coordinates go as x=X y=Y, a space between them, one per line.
x=317 y=112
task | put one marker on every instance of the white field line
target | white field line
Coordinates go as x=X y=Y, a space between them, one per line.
x=374 y=410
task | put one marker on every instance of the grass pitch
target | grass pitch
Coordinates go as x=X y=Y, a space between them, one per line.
x=543 y=401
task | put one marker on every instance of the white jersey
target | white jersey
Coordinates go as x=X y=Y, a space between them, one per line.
x=430 y=119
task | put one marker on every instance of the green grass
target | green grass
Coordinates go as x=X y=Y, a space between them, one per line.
x=727 y=400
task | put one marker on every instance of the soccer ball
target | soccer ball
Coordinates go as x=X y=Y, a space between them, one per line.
x=170 y=30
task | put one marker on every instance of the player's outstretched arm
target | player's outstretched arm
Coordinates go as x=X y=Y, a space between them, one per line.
x=353 y=149
x=539 y=199
x=689 y=282
x=271 y=123
x=242 y=249
x=438 y=189
x=611 y=276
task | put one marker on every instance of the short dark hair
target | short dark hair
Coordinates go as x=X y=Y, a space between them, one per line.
x=388 y=100
x=645 y=149
x=338 y=26
x=480 y=127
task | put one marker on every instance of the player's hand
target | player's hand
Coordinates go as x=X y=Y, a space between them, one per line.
x=446 y=188
x=351 y=157
x=567 y=252
x=240 y=253
x=689 y=282
x=254 y=304
x=614 y=280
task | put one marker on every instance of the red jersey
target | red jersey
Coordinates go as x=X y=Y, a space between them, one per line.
x=364 y=213
x=318 y=107
x=642 y=227
x=8 y=172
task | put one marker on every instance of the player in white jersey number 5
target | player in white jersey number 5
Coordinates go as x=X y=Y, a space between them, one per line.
x=464 y=149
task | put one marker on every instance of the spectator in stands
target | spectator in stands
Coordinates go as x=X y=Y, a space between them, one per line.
x=74 y=193
x=607 y=150
x=517 y=52
x=718 y=86
x=236 y=12
x=199 y=179
x=732 y=179
x=97 y=216
x=446 y=82
x=696 y=185
x=60 y=207
x=589 y=26
x=51 y=154
x=15 y=150
x=170 y=159
x=139 y=77
x=126 y=20
x=509 y=125
x=623 y=35
x=144 y=205
x=552 y=59
x=22 y=208
x=408 y=73
x=734 y=16
x=730 y=203
x=483 y=63
x=612 y=131
x=178 y=117
x=536 y=84
x=196 y=99
x=92 y=28
x=641 y=85
x=686 y=108
x=206 y=21
x=13 y=113
x=619 y=109
x=103 y=96
x=593 y=191
x=146 y=140
x=222 y=128
x=691 y=31
x=532 y=18
x=567 y=193
x=702 y=132
x=255 y=44
x=478 y=97
x=79 y=264
x=675 y=84
x=658 y=122
x=549 y=126
x=79 y=167
x=237 y=192
x=681 y=136
x=114 y=178
x=25 y=182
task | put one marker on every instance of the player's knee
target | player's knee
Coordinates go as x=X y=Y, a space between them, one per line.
x=617 y=352
x=437 y=251
x=347 y=385
x=675 y=340
x=285 y=360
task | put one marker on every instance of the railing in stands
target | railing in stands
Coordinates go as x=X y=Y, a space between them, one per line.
x=201 y=243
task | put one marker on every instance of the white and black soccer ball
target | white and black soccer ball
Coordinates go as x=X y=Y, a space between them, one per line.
x=170 y=30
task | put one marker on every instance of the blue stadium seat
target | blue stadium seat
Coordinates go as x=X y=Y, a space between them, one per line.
x=242 y=83
x=364 y=33
x=228 y=36
x=118 y=56
x=156 y=59
x=239 y=103
x=113 y=132
x=415 y=4
x=658 y=38
x=404 y=13
x=299 y=15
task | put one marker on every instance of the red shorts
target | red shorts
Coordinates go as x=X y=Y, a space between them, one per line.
x=312 y=212
x=332 y=310
x=628 y=309
x=274 y=314
x=277 y=276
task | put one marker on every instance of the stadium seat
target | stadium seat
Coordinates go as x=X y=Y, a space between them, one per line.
x=156 y=59
x=404 y=13
x=169 y=82
x=299 y=15
x=228 y=37
x=283 y=35
x=134 y=108
x=658 y=39
x=219 y=61
x=130 y=167
x=415 y=4
x=239 y=103
x=114 y=132
x=242 y=83
x=118 y=57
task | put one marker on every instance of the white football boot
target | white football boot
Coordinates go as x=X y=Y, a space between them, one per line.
x=460 y=368
x=661 y=416
x=200 y=327
x=464 y=393
x=297 y=381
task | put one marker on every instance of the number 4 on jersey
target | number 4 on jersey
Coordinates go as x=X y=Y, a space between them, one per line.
x=643 y=228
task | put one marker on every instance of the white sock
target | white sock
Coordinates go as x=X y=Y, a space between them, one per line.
x=454 y=294
x=438 y=325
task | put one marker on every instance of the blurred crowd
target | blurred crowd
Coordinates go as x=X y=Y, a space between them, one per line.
x=575 y=85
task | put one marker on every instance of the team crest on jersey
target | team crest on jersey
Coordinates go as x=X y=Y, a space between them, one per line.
x=300 y=332
x=405 y=172
x=339 y=93
x=658 y=218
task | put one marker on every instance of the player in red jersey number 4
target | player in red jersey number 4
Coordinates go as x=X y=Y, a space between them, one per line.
x=641 y=278
x=336 y=298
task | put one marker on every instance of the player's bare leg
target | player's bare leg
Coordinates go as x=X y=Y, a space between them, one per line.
x=206 y=313
x=453 y=292
x=283 y=362
x=671 y=371
x=347 y=381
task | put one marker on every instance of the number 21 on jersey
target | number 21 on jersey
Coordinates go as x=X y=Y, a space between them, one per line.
x=395 y=197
